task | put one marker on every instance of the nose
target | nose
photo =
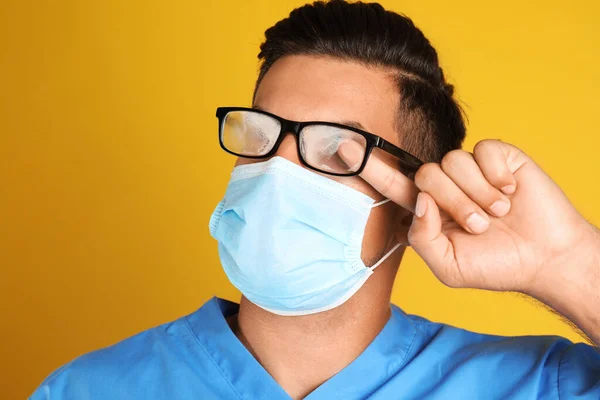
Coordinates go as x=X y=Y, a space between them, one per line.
x=288 y=149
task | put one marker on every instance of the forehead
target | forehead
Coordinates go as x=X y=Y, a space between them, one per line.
x=320 y=88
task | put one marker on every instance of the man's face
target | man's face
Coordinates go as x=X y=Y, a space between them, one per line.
x=309 y=88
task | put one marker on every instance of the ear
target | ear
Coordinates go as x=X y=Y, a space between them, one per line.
x=402 y=221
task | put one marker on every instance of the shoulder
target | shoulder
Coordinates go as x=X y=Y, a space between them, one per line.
x=125 y=367
x=462 y=344
x=528 y=364
x=458 y=339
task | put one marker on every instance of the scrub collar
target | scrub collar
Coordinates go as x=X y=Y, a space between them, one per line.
x=382 y=359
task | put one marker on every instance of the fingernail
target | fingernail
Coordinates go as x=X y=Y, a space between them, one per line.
x=477 y=223
x=421 y=206
x=509 y=189
x=500 y=208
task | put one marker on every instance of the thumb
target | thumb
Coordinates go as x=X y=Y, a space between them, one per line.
x=425 y=236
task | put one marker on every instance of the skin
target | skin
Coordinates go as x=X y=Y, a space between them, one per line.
x=529 y=238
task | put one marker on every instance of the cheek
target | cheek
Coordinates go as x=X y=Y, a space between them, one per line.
x=378 y=231
x=357 y=183
x=379 y=221
x=242 y=161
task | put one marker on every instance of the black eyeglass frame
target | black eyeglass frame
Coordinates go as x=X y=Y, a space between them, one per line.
x=294 y=127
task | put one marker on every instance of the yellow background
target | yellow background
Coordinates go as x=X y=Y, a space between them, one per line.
x=110 y=166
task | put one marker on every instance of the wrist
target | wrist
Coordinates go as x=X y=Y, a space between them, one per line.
x=570 y=283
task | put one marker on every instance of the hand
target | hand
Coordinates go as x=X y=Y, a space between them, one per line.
x=490 y=220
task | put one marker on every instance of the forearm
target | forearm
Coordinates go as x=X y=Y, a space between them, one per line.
x=573 y=288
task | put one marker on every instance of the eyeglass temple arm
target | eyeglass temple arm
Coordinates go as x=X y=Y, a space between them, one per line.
x=407 y=159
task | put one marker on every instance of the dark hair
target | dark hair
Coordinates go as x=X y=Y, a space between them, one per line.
x=430 y=120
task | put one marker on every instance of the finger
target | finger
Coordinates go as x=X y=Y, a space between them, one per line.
x=492 y=157
x=385 y=179
x=425 y=236
x=461 y=167
x=431 y=179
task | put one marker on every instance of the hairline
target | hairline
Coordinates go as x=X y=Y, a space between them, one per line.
x=394 y=73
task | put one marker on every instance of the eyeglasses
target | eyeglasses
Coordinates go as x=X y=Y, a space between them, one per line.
x=252 y=133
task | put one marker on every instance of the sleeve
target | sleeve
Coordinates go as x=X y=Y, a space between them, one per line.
x=579 y=372
x=43 y=391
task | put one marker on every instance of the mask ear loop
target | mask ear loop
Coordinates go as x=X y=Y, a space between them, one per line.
x=380 y=203
x=389 y=253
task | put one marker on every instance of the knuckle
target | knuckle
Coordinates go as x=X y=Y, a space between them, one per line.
x=498 y=176
x=486 y=145
x=452 y=159
x=388 y=182
x=425 y=175
x=491 y=195
x=459 y=210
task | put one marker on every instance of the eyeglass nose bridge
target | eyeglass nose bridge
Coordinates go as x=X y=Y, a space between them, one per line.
x=287 y=127
x=292 y=127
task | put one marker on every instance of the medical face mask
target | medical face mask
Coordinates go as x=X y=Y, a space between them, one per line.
x=290 y=239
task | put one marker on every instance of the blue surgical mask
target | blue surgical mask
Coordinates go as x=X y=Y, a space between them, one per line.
x=290 y=239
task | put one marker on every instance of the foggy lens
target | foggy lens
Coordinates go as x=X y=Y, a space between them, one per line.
x=249 y=133
x=319 y=146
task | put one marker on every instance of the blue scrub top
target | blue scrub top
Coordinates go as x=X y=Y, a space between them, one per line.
x=199 y=357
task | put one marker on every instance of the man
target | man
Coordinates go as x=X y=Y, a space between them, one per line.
x=326 y=195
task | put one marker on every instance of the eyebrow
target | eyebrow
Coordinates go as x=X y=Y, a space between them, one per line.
x=352 y=124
